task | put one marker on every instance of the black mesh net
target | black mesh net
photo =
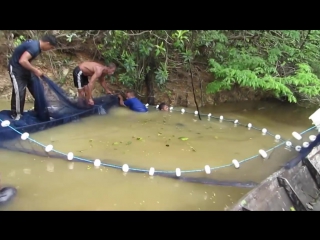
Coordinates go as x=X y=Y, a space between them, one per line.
x=54 y=107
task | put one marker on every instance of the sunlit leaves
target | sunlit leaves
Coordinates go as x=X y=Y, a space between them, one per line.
x=278 y=61
x=161 y=74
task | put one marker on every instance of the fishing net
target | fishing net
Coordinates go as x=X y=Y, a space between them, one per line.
x=53 y=108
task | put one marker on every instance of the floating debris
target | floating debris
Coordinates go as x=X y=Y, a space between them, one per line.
x=183 y=138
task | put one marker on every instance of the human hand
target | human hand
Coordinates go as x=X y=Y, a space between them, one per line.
x=91 y=102
x=38 y=72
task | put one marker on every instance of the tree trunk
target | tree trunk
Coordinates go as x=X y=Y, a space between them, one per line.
x=149 y=81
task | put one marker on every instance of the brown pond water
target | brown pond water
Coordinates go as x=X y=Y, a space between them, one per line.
x=56 y=184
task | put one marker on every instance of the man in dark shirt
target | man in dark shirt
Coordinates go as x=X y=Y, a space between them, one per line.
x=132 y=102
x=20 y=69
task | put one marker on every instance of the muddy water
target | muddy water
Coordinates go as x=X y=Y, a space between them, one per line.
x=144 y=141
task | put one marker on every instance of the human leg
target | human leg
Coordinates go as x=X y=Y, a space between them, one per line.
x=81 y=93
x=87 y=94
x=81 y=83
x=77 y=77
x=81 y=98
x=31 y=88
x=19 y=84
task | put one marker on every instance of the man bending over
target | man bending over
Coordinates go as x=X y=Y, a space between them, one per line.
x=20 y=69
x=95 y=71
x=132 y=102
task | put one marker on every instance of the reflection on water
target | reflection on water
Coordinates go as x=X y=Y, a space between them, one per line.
x=144 y=141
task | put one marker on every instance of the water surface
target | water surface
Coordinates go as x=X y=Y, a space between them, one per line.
x=150 y=140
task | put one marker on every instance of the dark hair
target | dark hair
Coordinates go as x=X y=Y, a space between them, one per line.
x=50 y=39
x=161 y=106
x=131 y=91
x=111 y=65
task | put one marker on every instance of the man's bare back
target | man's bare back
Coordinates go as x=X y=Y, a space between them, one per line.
x=89 y=68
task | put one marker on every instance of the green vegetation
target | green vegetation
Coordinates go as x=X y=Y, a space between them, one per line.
x=284 y=63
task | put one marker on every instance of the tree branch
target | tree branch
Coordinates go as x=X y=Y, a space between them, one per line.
x=305 y=39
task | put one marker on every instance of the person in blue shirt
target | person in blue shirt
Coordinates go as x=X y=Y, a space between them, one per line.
x=132 y=102
x=20 y=69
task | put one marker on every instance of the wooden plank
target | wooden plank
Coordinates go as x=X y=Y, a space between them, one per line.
x=313 y=171
x=297 y=203
x=279 y=201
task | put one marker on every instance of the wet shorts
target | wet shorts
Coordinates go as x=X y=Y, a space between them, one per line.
x=79 y=79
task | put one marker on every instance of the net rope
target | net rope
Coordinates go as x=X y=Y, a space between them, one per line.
x=6 y=123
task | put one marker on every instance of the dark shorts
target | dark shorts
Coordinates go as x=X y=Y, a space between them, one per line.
x=79 y=79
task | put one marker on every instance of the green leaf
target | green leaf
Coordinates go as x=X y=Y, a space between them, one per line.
x=183 y=138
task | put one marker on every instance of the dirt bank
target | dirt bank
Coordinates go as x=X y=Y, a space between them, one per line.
x=59 y=65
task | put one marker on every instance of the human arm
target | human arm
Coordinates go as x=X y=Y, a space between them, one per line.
x=121 y=100
x=24 y=61
x=126 y=103
x=97 y=74
x=104 y=84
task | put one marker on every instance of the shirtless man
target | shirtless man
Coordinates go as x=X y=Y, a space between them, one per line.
x=95 y=71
